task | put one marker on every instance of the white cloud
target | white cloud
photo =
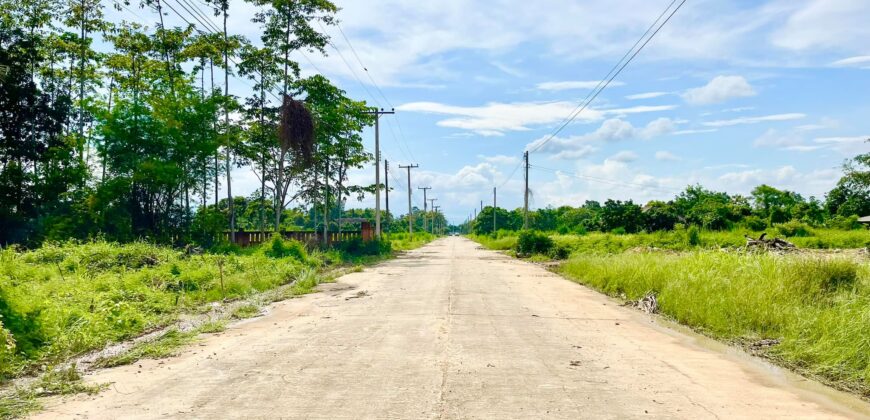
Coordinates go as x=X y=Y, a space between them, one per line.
x=754 y=120
x=862 y=61
x=720 y=89
x=841 y=140
x=647 y=95
x=666 y=156
x=787 y=177
x=612 y=130
x=695 y=131
x=624 y=156
x=572 y=85
x=499 y=159
x=494 y=119
x=825 y=25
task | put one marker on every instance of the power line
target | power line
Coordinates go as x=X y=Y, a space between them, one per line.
x=606 y=81
x=399 y=139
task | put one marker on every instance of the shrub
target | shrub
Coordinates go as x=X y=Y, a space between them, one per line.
x=755 y=223
x=794 y=229
x=693 y=236
x=559 y=252
x=7 y=353
x=845 y=223
x=533 y=242
x=282 y=248
x=358 y=247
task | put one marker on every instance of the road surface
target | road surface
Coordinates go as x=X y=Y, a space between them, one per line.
x=454 y=331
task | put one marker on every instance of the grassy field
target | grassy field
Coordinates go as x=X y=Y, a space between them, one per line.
x=683 y=240
x=64 y=300
x=814 y=306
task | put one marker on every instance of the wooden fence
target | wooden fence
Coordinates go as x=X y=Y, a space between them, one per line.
x=309 y=237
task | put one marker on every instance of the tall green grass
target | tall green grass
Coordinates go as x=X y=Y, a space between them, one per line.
x=63 y=300
x=819 y=307
x=683 y=240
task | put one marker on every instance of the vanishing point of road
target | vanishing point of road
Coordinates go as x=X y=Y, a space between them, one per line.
x=454 y=331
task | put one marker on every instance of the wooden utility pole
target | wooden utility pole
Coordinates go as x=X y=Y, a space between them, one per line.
x=526 y=195
x=387 y=191
x=377 y=113
x=410 y=213
x=494 y=207
x=425 y=209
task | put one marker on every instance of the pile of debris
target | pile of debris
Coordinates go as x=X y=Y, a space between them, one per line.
x=774 y=244
x=648 y=304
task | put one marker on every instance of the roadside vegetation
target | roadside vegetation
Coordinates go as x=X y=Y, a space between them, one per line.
x=805 y=308
x=64 y=300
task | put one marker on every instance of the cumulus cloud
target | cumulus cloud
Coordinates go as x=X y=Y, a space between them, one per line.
x=720 y=89
x=574 y=84
x=612 y=130
x=788 y=177
x=755 y=120
x=624 y=156
x=499 y=159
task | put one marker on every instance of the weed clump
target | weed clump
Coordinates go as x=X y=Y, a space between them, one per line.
x=283 y=248
x=531 y=242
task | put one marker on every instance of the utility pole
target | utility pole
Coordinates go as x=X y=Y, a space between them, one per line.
x=387 y=190
x=435 y=218
x=377 y=113
x=494 y=207
x=432 y=206
x=410 y=213
x=425 y=209
x=526 y=196
x=481 y=207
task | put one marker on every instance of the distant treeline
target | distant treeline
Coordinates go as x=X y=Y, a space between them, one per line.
x=697 y=206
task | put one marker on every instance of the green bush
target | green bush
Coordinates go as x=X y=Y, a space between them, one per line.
x=533 y=242
x=7 y=353
x=845 y=223
x=754 y=223
x=283 y=248
x=794 y=229
x=359 y=247
x=559 y=252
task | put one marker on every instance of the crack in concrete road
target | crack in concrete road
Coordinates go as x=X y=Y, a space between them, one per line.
x=453 y=331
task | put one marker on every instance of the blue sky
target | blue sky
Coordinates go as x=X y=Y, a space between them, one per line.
x=730 y=94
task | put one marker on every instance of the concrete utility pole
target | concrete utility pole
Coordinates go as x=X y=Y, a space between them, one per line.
x=410 y=213
x=436 y=208
x=377 y=113
x=526 y=197
x=387 y=190
x=425 y=209
x=432 y=206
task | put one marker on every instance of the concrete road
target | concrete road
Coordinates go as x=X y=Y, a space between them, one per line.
x=455 y=331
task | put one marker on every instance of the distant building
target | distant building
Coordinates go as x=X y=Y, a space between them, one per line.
x=865 y=220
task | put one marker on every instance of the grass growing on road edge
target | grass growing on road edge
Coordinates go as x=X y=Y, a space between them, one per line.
x=20 y=401
x=680 y=240
x=817 y=307
x=63 y=300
